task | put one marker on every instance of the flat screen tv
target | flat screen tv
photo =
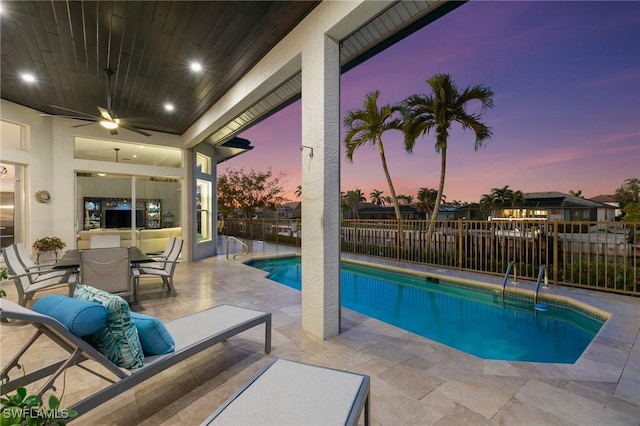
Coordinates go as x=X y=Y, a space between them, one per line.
x=122 y=219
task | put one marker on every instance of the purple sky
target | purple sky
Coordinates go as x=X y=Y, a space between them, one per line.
x=566 y=77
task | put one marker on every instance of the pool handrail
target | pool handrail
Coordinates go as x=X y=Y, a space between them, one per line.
x=506 y=276
x=541 y=273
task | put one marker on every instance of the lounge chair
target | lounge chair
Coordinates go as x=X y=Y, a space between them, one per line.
x=294 y=393
x=192 y=334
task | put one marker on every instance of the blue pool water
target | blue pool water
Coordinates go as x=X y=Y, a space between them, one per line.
x=479 y=322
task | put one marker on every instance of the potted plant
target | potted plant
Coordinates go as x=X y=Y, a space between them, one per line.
x=48 y=244
x=4 y=274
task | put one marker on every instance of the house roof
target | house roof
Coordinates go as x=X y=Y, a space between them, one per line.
x=604 y=199
x=554 y=199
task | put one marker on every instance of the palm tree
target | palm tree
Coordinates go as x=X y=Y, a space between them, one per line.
x=487 y=202
x=438 y=111
x=503 y=198
x=298 y=192
x=366 y=126
x=426 y=201
x=376 y=198
x=352 y=200
x=577 y=193
x=406 y=199
x=516 y=199
x=502 y=195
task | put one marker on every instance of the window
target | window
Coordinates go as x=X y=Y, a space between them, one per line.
x=203 y=163
x=203 y=210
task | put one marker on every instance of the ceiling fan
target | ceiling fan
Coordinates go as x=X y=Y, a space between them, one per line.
x=107 y=118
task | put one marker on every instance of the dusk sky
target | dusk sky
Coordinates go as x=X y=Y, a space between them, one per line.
x=566 y=77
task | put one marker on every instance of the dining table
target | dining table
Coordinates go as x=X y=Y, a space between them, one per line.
x=71 y=258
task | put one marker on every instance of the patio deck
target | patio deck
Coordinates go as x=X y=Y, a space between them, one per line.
x=414 y=381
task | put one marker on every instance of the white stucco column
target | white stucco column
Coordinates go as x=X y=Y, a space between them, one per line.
x=321 y=187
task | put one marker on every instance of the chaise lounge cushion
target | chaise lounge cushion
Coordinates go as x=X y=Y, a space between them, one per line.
x=154 y=336
x=81 y=317
x=118 y=340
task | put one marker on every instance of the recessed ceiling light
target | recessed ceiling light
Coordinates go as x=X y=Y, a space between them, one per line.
x=28 y=77
x=134 y=156
x=102 y=174
x=169 y=107
x=196 y=66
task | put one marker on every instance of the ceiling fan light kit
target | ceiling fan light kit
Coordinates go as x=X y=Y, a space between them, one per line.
x=109 y=124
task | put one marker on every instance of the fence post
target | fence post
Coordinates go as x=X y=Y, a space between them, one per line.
x=556 y=233
x=460 y=239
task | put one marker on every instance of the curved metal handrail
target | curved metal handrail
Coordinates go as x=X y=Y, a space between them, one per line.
x=542 y=273
x=506 y=276
x=246 y=248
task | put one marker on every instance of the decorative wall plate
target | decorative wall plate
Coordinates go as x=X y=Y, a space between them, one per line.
x=43 y=196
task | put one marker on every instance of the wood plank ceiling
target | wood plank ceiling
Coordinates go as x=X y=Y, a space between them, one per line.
x=67 y=45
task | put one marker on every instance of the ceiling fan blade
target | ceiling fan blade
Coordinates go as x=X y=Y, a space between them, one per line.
x=73 y=117
x=105 y=114
x=85 y=124
x=133 y=129
x=74 y=111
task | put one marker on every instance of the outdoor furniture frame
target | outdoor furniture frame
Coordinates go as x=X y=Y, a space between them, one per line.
x=192 y=334
x=30 y=277
x=293 y=393
x=162 y=268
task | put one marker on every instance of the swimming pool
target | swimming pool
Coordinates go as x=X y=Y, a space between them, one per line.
x=474 y=320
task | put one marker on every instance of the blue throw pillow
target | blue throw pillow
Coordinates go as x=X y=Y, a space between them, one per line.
x=154 y=337
x=81 y=317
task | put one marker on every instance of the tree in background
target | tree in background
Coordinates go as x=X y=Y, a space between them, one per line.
x=376 y=198
x=438 y=111
x=502 y=198
x=406 y=199
x=298 y=192
x=426 y=201
x=248 y=192
x=351 y=201
x=577 y=193
x=628 y=195
x=366 y=126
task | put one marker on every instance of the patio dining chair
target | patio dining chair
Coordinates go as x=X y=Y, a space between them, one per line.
x=107 y=269
x=163 y=269
x=104 y=241
x=160 y=258
x=30 y=277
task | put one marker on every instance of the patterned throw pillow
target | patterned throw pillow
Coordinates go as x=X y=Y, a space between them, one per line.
x=118 y=340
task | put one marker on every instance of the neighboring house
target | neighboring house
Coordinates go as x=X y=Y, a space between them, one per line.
x=407 y=212
x=291 y=210
x=371 y=211
x=609 y=200
x=550 y=206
